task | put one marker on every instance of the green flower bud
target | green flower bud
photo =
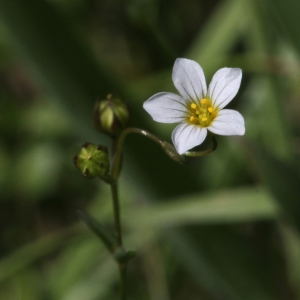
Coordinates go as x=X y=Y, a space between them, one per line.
x=92 y=161
x=111 y=116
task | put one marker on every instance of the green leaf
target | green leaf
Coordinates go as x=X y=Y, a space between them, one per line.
x=240 y=205
x=105 y=235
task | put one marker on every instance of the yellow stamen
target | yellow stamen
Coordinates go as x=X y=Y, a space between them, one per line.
x=202 y=113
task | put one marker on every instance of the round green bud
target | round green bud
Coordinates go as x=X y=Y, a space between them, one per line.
x=92 y=161
x=111 y=116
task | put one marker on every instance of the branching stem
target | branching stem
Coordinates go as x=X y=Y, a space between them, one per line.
x=117 y=152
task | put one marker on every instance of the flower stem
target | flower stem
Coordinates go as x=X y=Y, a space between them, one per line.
x=115 y=149
x=204 y=152
x=117 y=217
x=117 y=152
x=122 y=272
x=118 y=230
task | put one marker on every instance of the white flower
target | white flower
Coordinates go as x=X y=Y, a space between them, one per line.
x=198 y=109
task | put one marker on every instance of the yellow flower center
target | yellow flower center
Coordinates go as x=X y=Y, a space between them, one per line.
x=202 y=113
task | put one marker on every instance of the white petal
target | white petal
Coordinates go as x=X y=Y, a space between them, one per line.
x=228 y=122
x=166 y=108
x=186 y=137
x=224 y=86
x=189 y=80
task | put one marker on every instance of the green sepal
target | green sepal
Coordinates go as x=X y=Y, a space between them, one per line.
x=93 y=161
x=105 y=235
x=122 y=255
x=111 y=116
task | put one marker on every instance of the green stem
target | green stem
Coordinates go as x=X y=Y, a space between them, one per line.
x=122 y=271
x=118 y=230
x=115 y=148
x=117 y=151
x=204 y=152
x=116 y=207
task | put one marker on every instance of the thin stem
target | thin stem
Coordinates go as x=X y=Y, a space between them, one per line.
x=122 y=272
x=115 y=170
x=117 y=151
x=118 y=229
x=204 y=152
x=117 y=217
x=116 y=207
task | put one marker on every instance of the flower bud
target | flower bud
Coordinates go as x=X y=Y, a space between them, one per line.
x=92 y=161
x=111 y=116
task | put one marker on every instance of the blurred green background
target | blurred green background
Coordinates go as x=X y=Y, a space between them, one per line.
x=220 y=227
